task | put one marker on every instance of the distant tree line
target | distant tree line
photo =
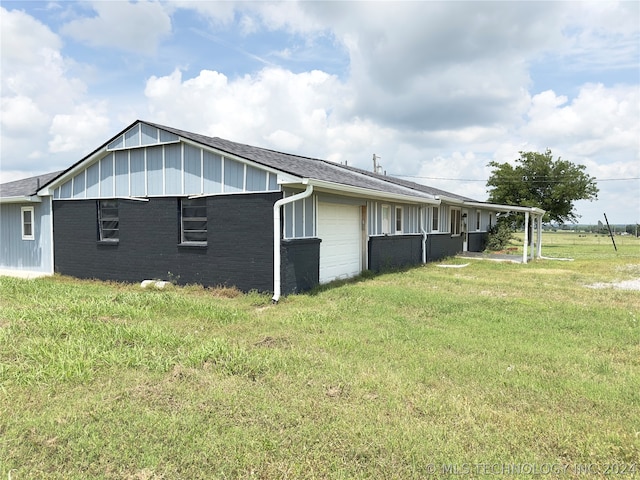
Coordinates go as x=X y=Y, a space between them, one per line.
x=631 y=229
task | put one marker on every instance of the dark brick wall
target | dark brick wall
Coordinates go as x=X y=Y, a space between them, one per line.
x=477 y=242
x=300 y=264
x=394 y=251
x=239 y=250
x=442 y=246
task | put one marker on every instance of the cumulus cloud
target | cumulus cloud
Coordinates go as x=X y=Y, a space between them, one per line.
x=81 y=130
x=252 y=109
x=598 y=121
x=137 y=27
x=37 y=93
x=436 y=89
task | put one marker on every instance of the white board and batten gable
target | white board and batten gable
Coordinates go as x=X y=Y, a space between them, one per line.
x=147 y=161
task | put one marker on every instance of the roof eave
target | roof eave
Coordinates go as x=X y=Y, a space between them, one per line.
x=21 y=199
x=506 y=208
x=368 y=193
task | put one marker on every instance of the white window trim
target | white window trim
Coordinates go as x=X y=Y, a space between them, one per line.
x=399 y=216
x=455 y=228
x=435 y=215
x=382 y=226
x=25 y=236
x=478 y=221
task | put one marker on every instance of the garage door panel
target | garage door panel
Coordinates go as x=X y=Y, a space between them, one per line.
x=339 y=229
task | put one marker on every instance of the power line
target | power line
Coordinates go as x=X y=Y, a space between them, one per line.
x=519 y=179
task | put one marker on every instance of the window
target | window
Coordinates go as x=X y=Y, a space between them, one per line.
x=435 y=214
x=193 y=214
x=477 y=220
x=490 y=221
x=386 y=219
x=27 y=223
x=398 y=219
x=455 y=221
x=108 y=221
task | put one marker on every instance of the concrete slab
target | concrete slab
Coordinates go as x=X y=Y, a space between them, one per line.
x=29 y=275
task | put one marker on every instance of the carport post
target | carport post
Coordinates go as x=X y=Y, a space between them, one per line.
x=539 y=236
x=526 y=237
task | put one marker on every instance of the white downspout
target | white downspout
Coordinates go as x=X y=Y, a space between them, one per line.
x=424 y=235
x=277 y=287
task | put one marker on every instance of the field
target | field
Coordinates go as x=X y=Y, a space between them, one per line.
x=482 y=370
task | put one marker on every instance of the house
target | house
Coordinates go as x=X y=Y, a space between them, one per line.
x=158 y=202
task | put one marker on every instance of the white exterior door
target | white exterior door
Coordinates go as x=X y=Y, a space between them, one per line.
x=465 y=230
x=339 y=228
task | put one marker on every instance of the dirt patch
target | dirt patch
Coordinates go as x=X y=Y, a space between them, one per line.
x=624 y=285
x=548 y=271
x=273 y=342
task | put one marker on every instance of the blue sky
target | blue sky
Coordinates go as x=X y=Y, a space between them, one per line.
x=436 y=89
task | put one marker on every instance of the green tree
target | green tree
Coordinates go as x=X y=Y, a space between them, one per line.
x=537 y=180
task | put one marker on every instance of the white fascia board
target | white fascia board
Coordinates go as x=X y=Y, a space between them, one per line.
x=506 y=208
x=48 y=190
x=368 y=193
x=286 y=179
x=450 y=200
x=21 y=199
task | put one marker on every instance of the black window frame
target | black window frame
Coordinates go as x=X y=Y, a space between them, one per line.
x=193 y=221
x=108 y=220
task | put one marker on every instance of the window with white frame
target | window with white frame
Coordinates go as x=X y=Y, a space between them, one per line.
x=398 y=219
x=386 y=219
x=435 y=219
x=108 y=221
x=456 y=220
x=26 y=214
x=193 y=221
x=478 y=216
x=490 y=221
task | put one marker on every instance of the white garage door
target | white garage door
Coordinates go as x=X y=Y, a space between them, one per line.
x=339 y=229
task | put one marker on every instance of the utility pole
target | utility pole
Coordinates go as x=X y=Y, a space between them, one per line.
x=610 y=233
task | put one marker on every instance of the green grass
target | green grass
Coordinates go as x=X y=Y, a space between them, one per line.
x=390 y=376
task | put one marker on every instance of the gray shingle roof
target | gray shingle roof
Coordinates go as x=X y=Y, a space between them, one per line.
x=26 y=186
x=413 y=185
x=296 y=165
x=314 y=168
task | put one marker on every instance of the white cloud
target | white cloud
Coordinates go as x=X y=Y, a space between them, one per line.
x=24 y=38
x=250 y=108
x=599 y=121
x=435 y=89
x=137 y=27
x=21 y=116
x=80 y=131
x=38 y=94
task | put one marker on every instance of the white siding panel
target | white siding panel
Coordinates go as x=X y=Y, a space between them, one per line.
x=192 y=167
x=122 y=173
x=154 y=171
x=93 y=177
x=106 y=176
x=137 y=173
x=173 y=169
x=212 y=172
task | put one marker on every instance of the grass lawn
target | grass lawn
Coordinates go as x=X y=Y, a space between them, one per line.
x=490 y=369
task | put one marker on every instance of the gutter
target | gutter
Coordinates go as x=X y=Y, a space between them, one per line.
x=277 y=233
x=369 y=193
x=21 y=199
x=506 y=208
